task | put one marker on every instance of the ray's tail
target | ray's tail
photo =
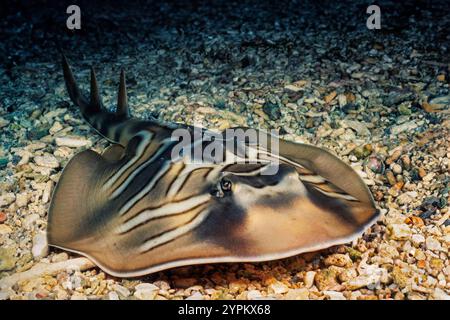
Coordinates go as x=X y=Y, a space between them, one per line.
x=108 y=124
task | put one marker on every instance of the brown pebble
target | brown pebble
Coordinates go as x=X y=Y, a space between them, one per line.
x=350 y=97
x=422 y=172
x=2 y=217
x=326 y=279
x=378 y=195
x=330 y=97
x=347 y=275
x=391 y=178
x=393 y=192
x=417 y=221
x=41 y=295
x=339 y=260
x=406 y=161
x=399 y=185
x=421 y=264
x=394 y=157
x=399 y=296
x=368 y=297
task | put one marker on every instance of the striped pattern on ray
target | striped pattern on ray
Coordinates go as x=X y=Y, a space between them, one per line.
x=138 y=209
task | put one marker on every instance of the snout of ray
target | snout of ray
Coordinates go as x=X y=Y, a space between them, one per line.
x=324 y=164
x=319 y=164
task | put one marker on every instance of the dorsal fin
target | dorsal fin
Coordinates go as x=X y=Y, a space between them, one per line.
x=95 y=102
x=71 y=85
x=108 y=124
x=122 y=100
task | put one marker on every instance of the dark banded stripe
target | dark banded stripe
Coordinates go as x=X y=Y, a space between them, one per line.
x=174 y=233
x=184 y=175
x=127 y=181
x=137 y=197
x=171 y=209
x=145 y=141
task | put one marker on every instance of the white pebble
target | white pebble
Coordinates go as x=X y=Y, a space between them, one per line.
x=78 y=296
x=47 y=161
x=146 y=286
x=7 y=199
x=342 y=99
x=22 y=199
x=428 y=177
x=440 y=294
x=3 y=122
x=362 y=281
x=113 y=295
x=433 y=244
x=396 y=168
x=145 y=294
x=47 y=191
x=400 y=231
x=124 y=292
x=72 y=142
x=254 y=294
x=195 y=296
x=55 y=128
x=360 y=127
x=279 y=288
x=25 y=157
x=5 y=229
x=297 y=294
x=163 y=285
x=35 y=146
x=309 y=279
x=417 y=239
x=6 y=293
x=146 y=291
x=403 y=199
x=407 y=126
x=63 y=152
x=292 y=87
x=60 y=257
x=334 y=295
x=30 y=220
x=40 y=246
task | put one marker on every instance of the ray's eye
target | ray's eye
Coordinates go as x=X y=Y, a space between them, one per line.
x=226 y=185
x=222 y=188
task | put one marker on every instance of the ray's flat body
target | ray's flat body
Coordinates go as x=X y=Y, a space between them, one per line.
x=135 y=209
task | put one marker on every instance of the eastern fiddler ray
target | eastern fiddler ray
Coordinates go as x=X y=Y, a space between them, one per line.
x=136 y=209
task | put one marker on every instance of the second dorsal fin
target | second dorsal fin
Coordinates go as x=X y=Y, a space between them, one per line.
x=122 y=100
x=95 y=101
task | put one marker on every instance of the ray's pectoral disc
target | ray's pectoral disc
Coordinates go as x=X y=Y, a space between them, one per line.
x=134 y=210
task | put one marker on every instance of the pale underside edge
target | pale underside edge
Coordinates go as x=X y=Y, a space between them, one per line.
x=227 y=259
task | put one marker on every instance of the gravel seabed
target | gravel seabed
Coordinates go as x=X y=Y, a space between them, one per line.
x=379 y=99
